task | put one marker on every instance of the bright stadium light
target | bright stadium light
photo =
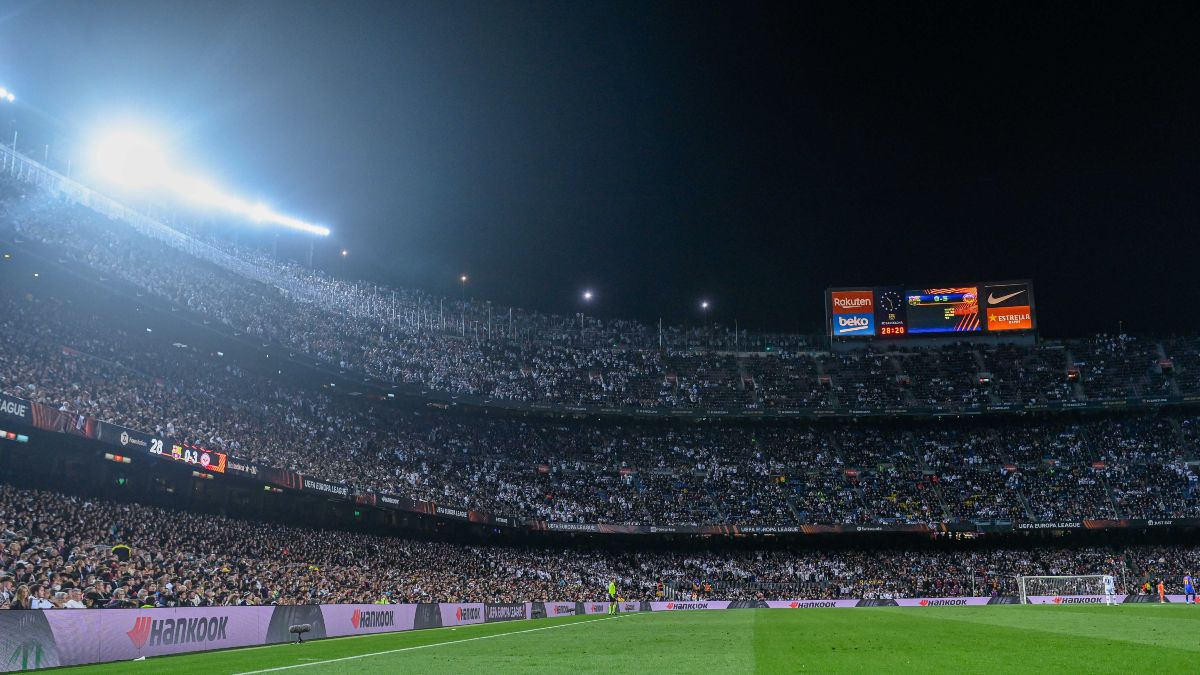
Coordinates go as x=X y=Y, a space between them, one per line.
x=130 y=159
x=6 y=95
x=137 y=159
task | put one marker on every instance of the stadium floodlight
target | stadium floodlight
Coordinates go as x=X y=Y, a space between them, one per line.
x=6 y=95
x=134 y=158
x=130 y=158
x=587 y=295
x=345 y=253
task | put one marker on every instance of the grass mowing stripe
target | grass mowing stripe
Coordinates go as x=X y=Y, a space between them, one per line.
x=432 y=644
x=1140 y=624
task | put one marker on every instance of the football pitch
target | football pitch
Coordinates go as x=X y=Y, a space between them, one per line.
x=1092 y=639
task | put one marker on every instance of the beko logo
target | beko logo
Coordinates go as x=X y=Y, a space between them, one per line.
x=994 y=299
x=849 y=324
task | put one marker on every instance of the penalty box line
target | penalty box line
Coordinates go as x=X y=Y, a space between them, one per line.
x=433 y=644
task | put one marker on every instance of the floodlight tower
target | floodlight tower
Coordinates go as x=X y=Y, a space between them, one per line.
x=587 y=300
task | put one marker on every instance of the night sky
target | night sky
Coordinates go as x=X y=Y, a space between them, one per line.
x=664 y=152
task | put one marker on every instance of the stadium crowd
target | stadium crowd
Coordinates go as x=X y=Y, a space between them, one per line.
x=61 y=551
x=59 y=351
x=463 y=346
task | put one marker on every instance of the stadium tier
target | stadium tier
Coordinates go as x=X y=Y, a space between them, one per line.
x=107 y=554
x=78 y=347
x=498 y=356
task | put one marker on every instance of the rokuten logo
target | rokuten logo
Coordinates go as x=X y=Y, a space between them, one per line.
x=852 y=302
x=373 y=618
x=157 y=632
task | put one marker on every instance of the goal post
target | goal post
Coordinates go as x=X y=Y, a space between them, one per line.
x=1060 y=586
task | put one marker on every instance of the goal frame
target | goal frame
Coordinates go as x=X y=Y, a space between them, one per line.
x=1022 y=581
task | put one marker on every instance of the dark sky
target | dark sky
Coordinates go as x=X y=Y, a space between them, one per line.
x=659 y=153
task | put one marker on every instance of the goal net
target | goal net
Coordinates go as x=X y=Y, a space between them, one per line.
x=1060 y=586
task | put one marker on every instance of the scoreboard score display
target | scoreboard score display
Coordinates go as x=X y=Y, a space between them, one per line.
x=895 y=312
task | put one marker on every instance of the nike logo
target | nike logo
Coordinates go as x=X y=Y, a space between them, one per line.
x=993 y=300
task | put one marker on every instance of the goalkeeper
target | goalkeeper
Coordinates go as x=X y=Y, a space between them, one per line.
x=612 y=597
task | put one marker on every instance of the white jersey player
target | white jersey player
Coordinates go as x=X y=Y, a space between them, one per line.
x=1110 y=590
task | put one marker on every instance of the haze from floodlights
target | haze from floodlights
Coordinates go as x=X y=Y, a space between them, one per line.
x=6 y=95
x=133 y=158
x=463 y=279
x=345 y=253
x=587 y=295
x=704 y=304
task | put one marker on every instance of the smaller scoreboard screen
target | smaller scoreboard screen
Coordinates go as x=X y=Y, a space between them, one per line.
x=896 y=312
x=943 y=310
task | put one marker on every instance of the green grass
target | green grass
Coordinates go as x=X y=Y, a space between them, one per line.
x=1092 y=639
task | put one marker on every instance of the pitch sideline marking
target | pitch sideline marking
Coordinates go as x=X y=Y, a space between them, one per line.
x=432 y=644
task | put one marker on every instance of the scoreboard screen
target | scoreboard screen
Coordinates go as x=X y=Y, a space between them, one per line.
x=896 y=312
x=943 y=310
